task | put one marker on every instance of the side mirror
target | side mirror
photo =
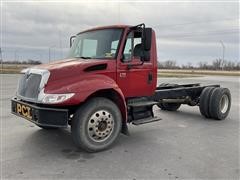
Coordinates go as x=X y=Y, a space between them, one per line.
x=147 y=38
x=72 y=38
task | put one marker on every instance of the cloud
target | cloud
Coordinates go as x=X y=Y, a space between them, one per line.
x=188 y=31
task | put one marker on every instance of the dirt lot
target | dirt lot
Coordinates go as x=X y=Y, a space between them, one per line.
x=181 y=146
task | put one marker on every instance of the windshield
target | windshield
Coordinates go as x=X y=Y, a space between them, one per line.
x=98 y=44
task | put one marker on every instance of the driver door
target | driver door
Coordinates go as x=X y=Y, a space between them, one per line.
x=134 y=77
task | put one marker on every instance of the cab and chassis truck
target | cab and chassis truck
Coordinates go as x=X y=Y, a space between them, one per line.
x=108 y=81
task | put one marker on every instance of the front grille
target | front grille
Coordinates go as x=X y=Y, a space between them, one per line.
x=28 y=86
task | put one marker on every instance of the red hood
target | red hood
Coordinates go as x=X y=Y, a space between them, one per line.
x=69 y=67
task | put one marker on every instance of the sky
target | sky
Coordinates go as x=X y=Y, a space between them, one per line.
x=187 y=31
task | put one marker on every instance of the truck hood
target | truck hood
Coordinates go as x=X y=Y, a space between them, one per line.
x=70 y=67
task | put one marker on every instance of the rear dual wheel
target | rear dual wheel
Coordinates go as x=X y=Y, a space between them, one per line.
x=205 y=100
x=215 y=103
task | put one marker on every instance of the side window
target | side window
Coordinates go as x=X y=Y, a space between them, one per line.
x=137 y=41
x=77 y=50
x=133 y=39
x=89 y=47
x=127 y=53
x=114 y=46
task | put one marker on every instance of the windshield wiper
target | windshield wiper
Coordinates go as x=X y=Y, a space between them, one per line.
x=83 y=57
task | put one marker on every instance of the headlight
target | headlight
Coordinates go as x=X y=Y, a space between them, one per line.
x=56 y=98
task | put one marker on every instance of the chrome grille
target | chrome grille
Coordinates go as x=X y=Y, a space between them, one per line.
x=28 y=86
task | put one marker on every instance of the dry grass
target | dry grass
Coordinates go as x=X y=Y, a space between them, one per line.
x=198 y=72
x=13 y=68
x=173 y=75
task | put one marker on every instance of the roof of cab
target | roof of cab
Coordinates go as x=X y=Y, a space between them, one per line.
x=105 y=27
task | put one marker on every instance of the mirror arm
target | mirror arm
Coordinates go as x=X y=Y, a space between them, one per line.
x=71 y=38
x=137 y=26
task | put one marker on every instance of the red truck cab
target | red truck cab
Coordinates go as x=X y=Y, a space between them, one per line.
x=108 y=80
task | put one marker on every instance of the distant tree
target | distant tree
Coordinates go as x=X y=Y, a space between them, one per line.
x=228 y=65
x=237 y=66
x=203 y=65
x=30 y=61
x=169 y=64
x=189 y=65
x=217 y=64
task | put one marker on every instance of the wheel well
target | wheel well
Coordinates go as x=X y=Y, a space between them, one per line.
x=113 y=96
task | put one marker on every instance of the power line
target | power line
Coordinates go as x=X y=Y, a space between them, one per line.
x=196 y=22
x=225 y=34
x=206 y=33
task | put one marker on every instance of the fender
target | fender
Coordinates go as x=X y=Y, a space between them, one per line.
x=84 y=87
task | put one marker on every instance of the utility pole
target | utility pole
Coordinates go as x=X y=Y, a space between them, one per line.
x=15 y=55
x=223 y=52
x=60 y=44
x=49 y=54
x=119 y=12
x=1 y=58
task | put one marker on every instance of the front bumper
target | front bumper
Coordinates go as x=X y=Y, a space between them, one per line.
x=42 y=116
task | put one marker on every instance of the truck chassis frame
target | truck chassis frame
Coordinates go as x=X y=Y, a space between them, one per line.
x=171 y=96
x=184 y=94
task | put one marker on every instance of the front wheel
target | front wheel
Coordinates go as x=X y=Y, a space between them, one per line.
x=96 y=124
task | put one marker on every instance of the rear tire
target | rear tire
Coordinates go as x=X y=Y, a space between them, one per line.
x=205 y=100
x=220 y=103
x=96 y=124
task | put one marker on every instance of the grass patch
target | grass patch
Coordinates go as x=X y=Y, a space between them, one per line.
x=198 y=72
x=10 y=71
x=177 y=75
x=12 y=68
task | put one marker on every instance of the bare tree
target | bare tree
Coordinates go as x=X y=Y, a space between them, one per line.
x=169 y=64
x=203 y=65
x=189 y=65
x=217 y=64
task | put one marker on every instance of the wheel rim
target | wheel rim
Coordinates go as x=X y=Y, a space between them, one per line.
x=100 y=125
x=224 y=103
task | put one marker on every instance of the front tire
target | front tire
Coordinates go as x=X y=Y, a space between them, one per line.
x=96 y=124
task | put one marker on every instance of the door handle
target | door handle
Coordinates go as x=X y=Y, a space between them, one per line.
x=150 y=77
